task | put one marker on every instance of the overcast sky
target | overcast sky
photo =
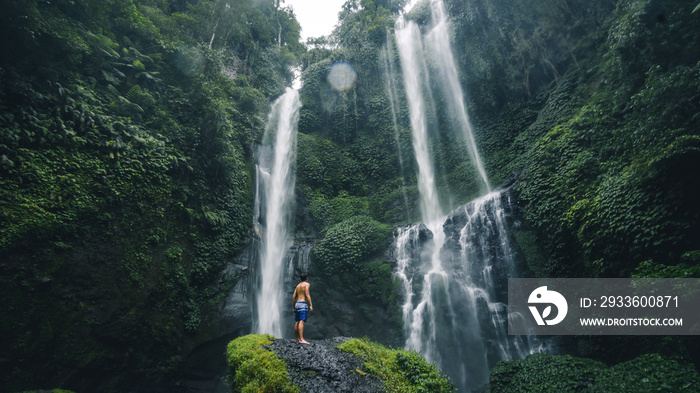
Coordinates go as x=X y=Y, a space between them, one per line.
x=318 y=17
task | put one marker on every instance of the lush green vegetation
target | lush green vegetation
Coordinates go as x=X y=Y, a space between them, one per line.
x=563 y=373
x=400 y=371
x=604 y=119
x=349 y=272
x=125 y=185
x=254 y=369
x=348 y=243
x=125 y=166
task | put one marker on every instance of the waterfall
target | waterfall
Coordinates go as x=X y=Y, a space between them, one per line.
x=422 y=333
x=438 y=43
x=386 y=55
x=453 y=268
x=467 y=332
x=273 y=203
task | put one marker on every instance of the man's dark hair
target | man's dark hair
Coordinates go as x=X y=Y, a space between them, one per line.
x=303 y=276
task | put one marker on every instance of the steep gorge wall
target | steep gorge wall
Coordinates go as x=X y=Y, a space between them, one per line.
x=125 y=186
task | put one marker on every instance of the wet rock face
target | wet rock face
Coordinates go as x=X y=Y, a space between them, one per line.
x=322 y=368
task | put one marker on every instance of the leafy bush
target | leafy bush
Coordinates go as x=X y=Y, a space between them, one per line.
x=328 y=212
x=543 y=373
x=401 y=371
x=324 y=166
x=687 y=268
x=350 y=242
x=254 y=369
x=647 y=373
x=563 y=373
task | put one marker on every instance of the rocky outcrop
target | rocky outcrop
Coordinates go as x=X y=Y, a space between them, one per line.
x=321 y=367
x=262 y=363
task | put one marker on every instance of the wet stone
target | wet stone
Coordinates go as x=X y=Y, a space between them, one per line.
x=323 y=368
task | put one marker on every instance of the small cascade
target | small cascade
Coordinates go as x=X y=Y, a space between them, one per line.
x=468 y=332
x=274 y=198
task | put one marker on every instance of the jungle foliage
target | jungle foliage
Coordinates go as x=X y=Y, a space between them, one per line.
x=563 y=373
x=599 y=104
x=253 y=368
x=591 y=101
x=610 y=186
x=125 y=136
x=125 y=164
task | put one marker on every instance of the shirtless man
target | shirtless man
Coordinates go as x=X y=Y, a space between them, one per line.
x=302 y=306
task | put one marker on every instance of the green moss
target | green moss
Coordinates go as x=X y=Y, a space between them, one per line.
x=536 y=262
x=254 y=369
x=401 y=371
x=647 y=373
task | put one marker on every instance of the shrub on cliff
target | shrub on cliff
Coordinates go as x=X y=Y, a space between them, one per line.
x=547 y=373
x=400 y=371
x=350 y=242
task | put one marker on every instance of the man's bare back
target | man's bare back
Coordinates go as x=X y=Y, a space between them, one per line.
x=301 y=293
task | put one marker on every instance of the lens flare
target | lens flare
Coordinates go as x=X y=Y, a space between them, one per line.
x=189 y=60
x=341 y=77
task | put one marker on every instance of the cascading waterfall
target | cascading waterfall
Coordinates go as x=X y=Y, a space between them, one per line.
x=465 y=329
x=438 y=43
x=386 y=55
x=274 y=197
x=453 y=269
x=422 y=334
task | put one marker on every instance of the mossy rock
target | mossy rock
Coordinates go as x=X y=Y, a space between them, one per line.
x=254 y=368
x=401 y=371
x=261 y=363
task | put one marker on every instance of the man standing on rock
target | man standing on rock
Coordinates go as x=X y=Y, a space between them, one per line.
x=302 y=306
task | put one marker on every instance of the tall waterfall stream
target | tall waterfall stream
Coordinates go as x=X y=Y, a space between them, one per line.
x=273 y=204
x=453 y=268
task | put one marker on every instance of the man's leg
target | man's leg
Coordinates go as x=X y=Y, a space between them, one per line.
x=296 y=330
x=301 y=333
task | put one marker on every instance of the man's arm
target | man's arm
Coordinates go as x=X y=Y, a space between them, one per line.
x=308 y=297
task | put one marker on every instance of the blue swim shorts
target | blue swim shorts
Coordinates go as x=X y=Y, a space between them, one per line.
x=301 y=309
